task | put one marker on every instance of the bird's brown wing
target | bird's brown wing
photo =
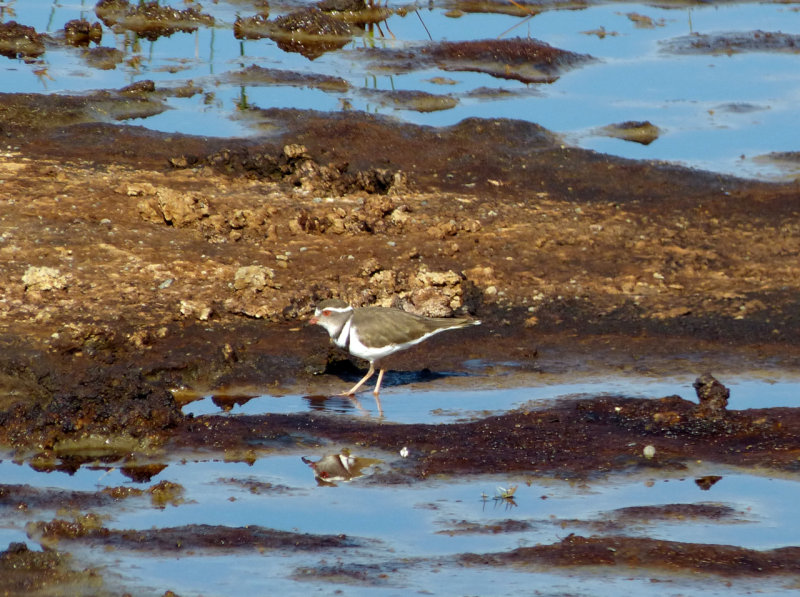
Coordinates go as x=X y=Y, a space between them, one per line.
x=393 y=326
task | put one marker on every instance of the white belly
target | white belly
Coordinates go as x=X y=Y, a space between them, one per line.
x=371 y=353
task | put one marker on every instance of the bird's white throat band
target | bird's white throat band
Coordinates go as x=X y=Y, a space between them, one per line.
x=343 y=340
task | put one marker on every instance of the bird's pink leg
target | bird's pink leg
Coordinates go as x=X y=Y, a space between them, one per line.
x=377 y=389
x=354 y=389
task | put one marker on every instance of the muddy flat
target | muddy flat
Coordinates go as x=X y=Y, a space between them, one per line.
x=138 y=264
x=624 y=416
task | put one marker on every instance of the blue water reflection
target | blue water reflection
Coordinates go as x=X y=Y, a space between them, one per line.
x=691 y=98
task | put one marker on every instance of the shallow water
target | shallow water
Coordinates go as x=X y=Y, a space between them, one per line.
x=412 y=530
x=689 y=96
x=716 y=112
x=437 y=402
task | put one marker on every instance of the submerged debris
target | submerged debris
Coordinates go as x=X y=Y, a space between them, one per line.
x=310 y=32
x=79 y=32
x=27 y=498
x=149 y=19
x=307 y=31
x=786 y=161
x=183 y=538
x=621 y=519
x=27 y=572
x=707 y=482
x=166 y=494
x=356 y=12
x=255 y=27
x=20 y=41
x=103 y=58
x=141 y=473
x=313 y=30
x=36 y=111
x=255 y=75
x=341 y=5
x=654 y=554
x=643 y=132
x=641 y=21
x=653 y=514
x=734 y=43
x=524 y=59
x=419 y=101
x=347 y=573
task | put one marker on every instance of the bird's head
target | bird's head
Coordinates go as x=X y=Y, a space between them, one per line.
x=331 y=314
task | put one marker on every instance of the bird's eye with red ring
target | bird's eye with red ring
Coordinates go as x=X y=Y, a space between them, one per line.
x=326 y=312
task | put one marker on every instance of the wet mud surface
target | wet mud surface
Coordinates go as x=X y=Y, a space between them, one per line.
x=27 y=572
x=188 y=537
x=735 y=42
x=20 y=40
x=647 y=553
x=526 y=60
x=581 y=438
x=136 y=263
x=150 y=20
